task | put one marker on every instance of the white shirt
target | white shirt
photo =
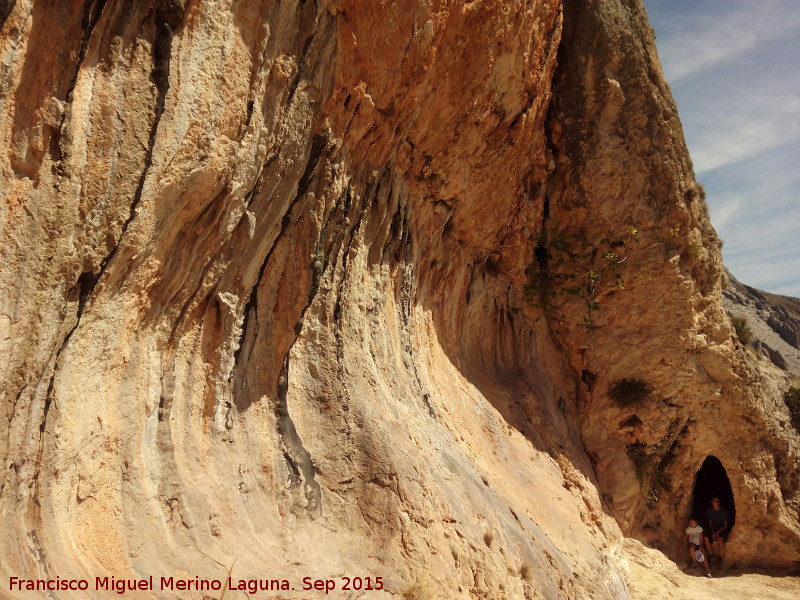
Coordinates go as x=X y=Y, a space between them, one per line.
x=694 y=534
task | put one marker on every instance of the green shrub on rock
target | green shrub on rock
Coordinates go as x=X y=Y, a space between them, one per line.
x=743 y=331
x=792 y=399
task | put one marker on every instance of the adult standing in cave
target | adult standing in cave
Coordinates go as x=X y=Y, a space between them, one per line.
x=718 y=520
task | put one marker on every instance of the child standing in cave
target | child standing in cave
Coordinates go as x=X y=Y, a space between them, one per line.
x=694 y=535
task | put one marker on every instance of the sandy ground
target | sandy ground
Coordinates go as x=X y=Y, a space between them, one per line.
x=654 y=577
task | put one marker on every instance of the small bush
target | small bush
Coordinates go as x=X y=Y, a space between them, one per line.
x=422 y=589
x=629 y=392
x=742 y=329
x=792 y=399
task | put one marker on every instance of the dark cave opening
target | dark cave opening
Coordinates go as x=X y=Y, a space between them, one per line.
x=712 y=482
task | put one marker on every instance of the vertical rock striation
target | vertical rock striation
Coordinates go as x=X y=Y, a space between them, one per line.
x=264 y=273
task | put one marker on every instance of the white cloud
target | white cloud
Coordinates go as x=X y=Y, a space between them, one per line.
x=728 y=145
x=732 y=116
x=723 y=211
x=765 y=251
x=734 y=29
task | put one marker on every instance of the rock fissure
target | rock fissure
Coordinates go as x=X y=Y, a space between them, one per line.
x=92 y=11
x=250 y=311
x=88 y=280
x=208 y=266
x=348 y=236
x=297 y=457
x=168 y=16
x=299 y=460
x=6 y=6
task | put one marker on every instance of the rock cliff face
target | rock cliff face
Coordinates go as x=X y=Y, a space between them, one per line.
x=282 y=287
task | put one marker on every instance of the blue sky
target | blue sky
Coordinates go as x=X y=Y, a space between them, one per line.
x=734 y=69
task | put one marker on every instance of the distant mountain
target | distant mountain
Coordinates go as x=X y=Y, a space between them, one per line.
x=774 y=321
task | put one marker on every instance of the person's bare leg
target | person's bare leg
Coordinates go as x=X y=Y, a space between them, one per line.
x=707 y=543
x=721 y=547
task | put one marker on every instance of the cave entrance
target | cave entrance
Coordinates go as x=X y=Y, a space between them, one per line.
x=712 y=482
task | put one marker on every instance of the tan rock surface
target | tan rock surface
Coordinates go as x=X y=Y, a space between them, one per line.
x=264 y=272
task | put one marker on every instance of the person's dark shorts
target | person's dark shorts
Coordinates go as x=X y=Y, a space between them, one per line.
x=723 y=535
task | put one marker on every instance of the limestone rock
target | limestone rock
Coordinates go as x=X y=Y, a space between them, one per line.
x=266 y=300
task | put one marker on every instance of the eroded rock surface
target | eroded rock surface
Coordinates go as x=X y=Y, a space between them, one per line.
x=266 y=300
